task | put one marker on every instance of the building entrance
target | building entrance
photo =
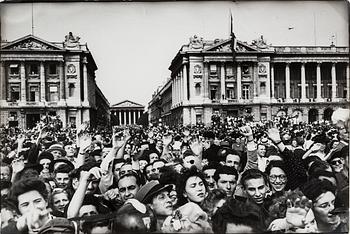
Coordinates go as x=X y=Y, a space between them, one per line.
x=32 y=119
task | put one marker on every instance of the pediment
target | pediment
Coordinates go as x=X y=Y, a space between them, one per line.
x=128 y=103
x=225 y=46
x=30 y=42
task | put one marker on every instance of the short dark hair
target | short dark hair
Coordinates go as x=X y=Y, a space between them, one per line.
x=62 y=169
x=223 y=169
x=252 y=174
x=131 y=174
x=313 y=188
x=26 y=185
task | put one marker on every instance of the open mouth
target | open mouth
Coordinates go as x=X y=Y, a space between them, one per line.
x=200 y=194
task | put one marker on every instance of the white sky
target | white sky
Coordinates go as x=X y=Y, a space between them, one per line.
x=133 y=44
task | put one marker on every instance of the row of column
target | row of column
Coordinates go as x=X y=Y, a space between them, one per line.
x=179 y=86
x=127 y=116
x=318 y=81
x=23 y=89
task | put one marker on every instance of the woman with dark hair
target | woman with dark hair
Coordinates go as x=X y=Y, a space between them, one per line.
x=277 y=177
x=191 y=187
x=322 y=193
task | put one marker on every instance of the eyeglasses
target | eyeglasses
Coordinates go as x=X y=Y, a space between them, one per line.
x=282 y=178
x=334 y=162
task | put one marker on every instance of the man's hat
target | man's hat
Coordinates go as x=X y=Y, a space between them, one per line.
x=146 y=192
x=45 y=154
x=59 y=225
x=58 y=147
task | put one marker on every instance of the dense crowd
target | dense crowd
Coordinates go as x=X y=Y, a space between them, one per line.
x=236 y=176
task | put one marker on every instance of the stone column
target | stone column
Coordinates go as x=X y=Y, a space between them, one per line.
x=119 y=117
x=184 y=74
x=173 y=91
x=347 y=82
x=62 y=82
x=272 y=75
x=135 y=119
x=239 y=82
x=256 y=84
x=23 y=83
x=124 y=122
x=303 y=83
x=206 y=80
x=180 y=87
x=287 y=82
x=318 y=82
x=334 y=82
x=222 y=82
x=2 y=81
x=85 y=80
x=42 y=82
x=130 y=113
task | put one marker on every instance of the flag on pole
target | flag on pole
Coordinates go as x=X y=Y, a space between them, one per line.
x=233 y=37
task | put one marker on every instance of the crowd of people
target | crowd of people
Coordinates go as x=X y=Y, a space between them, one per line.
x=236 y=176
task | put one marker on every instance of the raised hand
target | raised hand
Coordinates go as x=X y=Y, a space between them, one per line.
x=274 y=134
x=17 y=165
x=20 y=139
x=246 y=131
x=297 y=211
x=96 y=171
x=85 y=141
x=196 y=147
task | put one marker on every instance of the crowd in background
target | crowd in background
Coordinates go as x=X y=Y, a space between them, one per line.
x=236 y=176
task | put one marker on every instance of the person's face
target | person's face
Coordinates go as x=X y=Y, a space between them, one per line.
x=116 y=169
x=343 y=130
x=156 y=167
x=227 y=183
x=278 y=179
x=207 y=143
x=4 y=192
x=127 y=168
x=142 y=164
x=45 y=162
x=87 y=210
x=261 y=150
x=294 y=143
x=62 y=180
x=173 y=196
x=323 y=205
x=256 y=189
x=92 y=186
x=5 y=174
x=161 y=204
x=149 y=171
x=56 y=154
x=159 y=145
x=233 y=161
x=6 y=216
x=127 y=188
x=337 y=164
x=128 y=149
x=209 y=177
x=70 y=150
x=31 y=200
x=60 y=200
x=195 y=189
x=153 y=157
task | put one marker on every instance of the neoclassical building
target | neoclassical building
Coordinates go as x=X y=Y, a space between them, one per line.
x=305 y=82
x=126 y=112
x=39 y=78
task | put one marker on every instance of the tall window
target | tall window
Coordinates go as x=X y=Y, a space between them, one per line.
x=71 y=89
x=245 y=92
x=14 y=70
x=14 y=93
x=213 y=92
x=53 y=93
x=230 y=92
x=263 y=88
x=52 y=69
x=33 y=93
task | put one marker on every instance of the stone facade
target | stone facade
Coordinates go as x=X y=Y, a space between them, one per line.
x=126 y=113
x=207 y=77
x=39 y=78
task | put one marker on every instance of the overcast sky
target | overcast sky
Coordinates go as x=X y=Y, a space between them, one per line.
x=134 y=43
